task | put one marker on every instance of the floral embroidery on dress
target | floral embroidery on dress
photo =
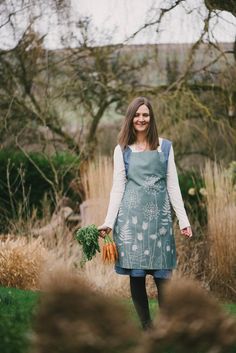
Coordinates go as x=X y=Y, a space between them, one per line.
x=125 y=234
x=140 y=236
x=151 y=210
x=162 y=231
x=152 y=184
x=145 y=226
x=166 y=211
x=131 y=199
x=134 y=220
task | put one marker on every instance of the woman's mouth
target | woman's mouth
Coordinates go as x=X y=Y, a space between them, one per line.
x=141 y=123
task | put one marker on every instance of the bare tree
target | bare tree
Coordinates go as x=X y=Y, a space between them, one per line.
x=205 y=88
x=39 y=86
x=229 y=5
x=45 y=88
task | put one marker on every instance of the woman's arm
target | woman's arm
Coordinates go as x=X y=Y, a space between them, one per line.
x=175 y=194
x=118 y=187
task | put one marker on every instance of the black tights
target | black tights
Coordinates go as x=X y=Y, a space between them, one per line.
x=140 y=298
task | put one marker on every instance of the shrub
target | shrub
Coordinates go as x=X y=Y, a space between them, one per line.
x=25 y=181
x=193 y=192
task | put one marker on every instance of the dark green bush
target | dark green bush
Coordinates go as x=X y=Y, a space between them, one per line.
x=193 y=189
x=22 y=183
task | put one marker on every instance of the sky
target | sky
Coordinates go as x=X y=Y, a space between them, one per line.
x=114 y=21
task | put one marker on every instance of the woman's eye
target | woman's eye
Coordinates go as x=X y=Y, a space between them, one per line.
x=137 y=115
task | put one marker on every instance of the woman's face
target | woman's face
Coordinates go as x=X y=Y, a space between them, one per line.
x=141 y=119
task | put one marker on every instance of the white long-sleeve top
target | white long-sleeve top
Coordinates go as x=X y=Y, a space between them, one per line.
x=119 y=181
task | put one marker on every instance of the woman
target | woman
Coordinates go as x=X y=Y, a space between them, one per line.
x=145 y=183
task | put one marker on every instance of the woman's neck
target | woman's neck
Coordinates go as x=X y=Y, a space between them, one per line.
x=141 y=138
x=141 y=143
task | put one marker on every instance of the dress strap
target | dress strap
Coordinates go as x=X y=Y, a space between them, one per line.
x=126 y=156
x=165 y=147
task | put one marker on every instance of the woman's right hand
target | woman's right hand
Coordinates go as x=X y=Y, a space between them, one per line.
x=104 y=230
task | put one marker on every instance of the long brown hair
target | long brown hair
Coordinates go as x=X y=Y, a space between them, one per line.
x=127 y=135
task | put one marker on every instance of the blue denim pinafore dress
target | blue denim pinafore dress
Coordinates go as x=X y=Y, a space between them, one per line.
x=143 y=230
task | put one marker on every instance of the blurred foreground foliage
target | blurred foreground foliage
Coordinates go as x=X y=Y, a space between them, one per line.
x=19 y=310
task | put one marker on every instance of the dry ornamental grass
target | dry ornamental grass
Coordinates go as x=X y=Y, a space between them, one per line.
x=21 y=263
x=221 y=211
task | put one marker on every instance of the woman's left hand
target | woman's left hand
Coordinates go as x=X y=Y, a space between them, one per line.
x=187 y=232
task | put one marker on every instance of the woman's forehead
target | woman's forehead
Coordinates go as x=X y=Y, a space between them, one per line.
x=142 y=109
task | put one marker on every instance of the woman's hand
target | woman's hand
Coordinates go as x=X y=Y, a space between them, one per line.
x=103 y=231
x=187 y=232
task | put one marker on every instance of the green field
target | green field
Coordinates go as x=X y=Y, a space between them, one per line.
x=17 y=309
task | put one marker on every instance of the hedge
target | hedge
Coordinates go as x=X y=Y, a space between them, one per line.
x=22 y=183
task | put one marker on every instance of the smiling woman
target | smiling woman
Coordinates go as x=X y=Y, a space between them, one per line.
x=145 y=185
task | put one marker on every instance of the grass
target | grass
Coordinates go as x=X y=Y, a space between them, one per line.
x=16 y=310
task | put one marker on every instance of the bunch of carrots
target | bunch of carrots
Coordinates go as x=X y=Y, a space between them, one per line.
x=109 y=251
x=88 y=236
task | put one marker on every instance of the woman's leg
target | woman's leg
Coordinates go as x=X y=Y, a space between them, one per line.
x=140 y=300
x=160 y=284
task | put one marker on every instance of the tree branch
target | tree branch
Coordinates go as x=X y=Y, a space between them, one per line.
x=228 y=5
x=155 y=22
x=13 y=14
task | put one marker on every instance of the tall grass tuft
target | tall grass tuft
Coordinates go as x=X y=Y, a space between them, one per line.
x=25 y=261
x=221 y=212
x=73 y=318
x=191 y=320
x=21 y=263
x=96 y=180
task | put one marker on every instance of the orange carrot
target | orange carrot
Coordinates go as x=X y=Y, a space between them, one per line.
x=115 y=250
x=109 y=250
x=112 y=252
